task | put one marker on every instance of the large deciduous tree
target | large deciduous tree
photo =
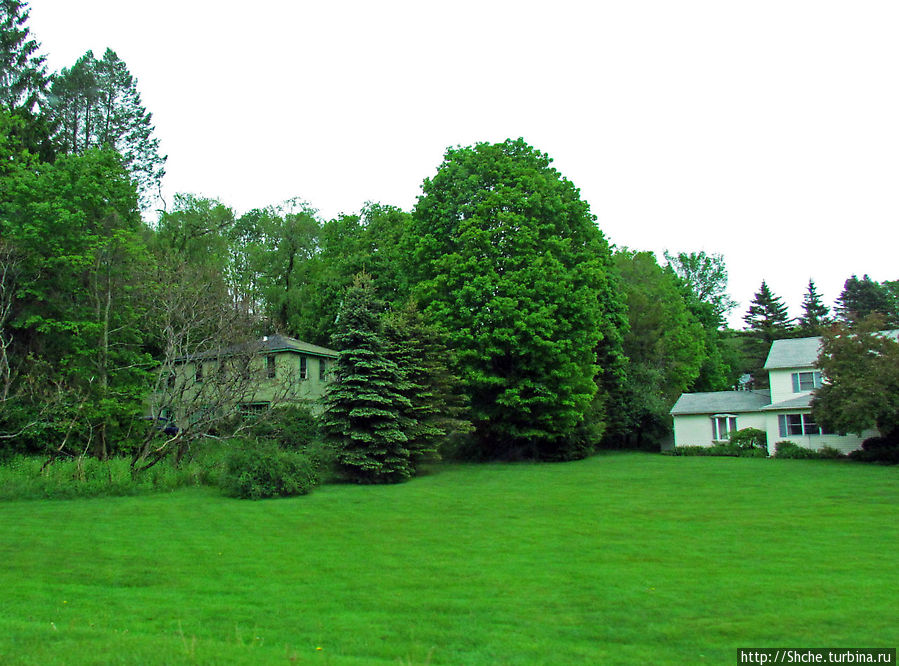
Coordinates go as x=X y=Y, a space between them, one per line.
x=511 y=267
x=665 y=346
x=861 y=368
x=706 y=277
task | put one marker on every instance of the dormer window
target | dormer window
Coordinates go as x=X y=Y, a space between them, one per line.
x=806 y=381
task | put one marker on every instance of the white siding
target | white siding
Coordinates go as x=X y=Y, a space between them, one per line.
x=781 y=382
x=696 y=429
x=842 y=443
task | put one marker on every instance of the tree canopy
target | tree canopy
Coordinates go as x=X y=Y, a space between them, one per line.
x=861 y=369
x=511 y=266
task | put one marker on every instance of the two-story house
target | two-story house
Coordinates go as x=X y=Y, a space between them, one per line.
x=249 y=378
x=784 y=411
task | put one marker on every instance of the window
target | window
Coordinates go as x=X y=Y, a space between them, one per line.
x=322 y=369
x=799 y=424
x=304 y=371
x=723 y=425
x=270 y=366
x=806 y=381
x=248 y=409
x=199 y=376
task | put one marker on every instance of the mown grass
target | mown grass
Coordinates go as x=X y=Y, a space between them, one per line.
x=623 y=558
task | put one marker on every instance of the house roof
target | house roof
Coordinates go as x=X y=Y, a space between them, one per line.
x=273 y=343
x=802 y=352
x=267 y=344
x=793 y=353
x=799 y=402
x=721 y=402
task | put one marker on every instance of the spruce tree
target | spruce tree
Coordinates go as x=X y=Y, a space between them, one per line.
x=767 y=315
x=814 y=312
x=366 y=413
x=863 y=297
x=436 y=407
x=23 y=75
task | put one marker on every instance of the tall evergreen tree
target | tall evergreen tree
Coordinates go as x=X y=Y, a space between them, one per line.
x=436 y=407
x=814 y=312
x=366 y=413
x=23 y=75
x=96 y=104
x=863 y=297
x=767 y=315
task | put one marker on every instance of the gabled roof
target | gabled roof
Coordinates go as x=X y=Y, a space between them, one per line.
x=273 y=343
x=266 y=345
x=721 y=402
x=793 y=353
x=802 y=352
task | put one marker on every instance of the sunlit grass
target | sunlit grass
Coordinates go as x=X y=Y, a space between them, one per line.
x=616 y=559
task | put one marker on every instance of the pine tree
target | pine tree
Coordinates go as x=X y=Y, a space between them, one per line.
x=96 y=104
x=767 y=315
x=366 y=414
x=23 y=76
x=863 y=297
x=814 y=312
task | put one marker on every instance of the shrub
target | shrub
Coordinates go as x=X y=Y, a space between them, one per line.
x=787 y=449
x=262 y=469
x=750 y=438
x=878 y=449
x=292 y=427
x=830 y=453
x=726 y=450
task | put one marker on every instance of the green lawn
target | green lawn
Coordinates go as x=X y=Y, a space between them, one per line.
x=623 y=558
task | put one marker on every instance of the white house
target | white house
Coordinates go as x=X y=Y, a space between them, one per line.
x=783 y=412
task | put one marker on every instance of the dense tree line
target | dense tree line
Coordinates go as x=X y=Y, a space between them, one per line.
x=495 y=310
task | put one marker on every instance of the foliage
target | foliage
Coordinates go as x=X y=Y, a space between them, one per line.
x=436 y=410
x=814 y=313
x=23 y=74
x=878 y=449
x=864 y=297
x=767 y=315
x=513 y=269
x=95 y=104
x=861 y=371
x=706 y=277
x=262 y=469
x=366 y=412
x=79 y=295
x=750 y=438
x=729 y=450
x=293 y=427
x=31 y=477
x=663 y=342
x=787 y=449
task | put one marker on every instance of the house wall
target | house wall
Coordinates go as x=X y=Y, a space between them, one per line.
x=844 y=443
x=696 y=429
x=781 y=383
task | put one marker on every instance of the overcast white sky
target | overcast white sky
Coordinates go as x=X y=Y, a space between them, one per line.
x=767 y=131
